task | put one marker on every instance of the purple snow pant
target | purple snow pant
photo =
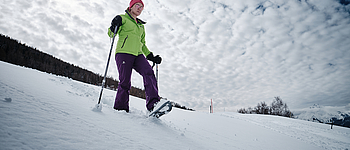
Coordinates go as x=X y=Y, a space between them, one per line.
x=125 y=64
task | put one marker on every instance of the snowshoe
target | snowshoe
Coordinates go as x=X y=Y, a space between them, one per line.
x=161 y=108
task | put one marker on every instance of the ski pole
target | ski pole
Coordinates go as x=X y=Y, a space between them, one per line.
x=109 y=57
x=156 y=71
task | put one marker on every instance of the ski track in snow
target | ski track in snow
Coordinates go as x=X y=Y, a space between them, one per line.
x=52 y=112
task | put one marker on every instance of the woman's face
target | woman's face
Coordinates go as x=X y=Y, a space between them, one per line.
x=137 y=9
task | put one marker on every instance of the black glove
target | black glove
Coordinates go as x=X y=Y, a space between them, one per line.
x=156 y=59
x=117 y=21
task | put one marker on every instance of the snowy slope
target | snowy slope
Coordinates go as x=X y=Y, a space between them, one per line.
x=43 y=111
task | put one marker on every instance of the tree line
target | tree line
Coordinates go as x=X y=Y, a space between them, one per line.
x=277 y=108
x=14 y=52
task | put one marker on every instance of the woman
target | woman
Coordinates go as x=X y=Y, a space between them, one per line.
x=130 y=54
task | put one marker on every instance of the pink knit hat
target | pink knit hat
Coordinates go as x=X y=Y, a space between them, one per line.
x=132 y=2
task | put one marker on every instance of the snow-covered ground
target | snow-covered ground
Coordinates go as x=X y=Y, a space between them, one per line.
x=43 y=111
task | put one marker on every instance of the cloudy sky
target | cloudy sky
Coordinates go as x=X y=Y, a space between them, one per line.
x=238 y=53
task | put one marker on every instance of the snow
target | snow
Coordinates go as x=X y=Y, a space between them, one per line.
x=44 y=111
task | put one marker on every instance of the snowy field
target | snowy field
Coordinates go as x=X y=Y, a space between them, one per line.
x=43 y=111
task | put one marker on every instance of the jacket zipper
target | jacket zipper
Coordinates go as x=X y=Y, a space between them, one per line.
x=125 y=41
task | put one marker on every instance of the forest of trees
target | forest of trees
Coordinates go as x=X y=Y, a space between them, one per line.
x=14 y=52
x=277 y=108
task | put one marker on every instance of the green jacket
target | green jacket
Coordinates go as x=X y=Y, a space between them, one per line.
x=131 y=36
